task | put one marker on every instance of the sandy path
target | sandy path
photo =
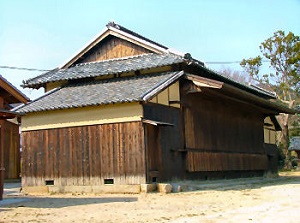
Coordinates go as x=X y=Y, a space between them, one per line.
x=275 y=202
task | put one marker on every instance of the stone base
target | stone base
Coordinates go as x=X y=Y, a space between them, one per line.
x=148 y=188
x=35 y=190
x=103 y=189
x=164 y=188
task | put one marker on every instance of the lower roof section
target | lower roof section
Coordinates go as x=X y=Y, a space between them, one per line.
x=221 y=89
x=93 y=93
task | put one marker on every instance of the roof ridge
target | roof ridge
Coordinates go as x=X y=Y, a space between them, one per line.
x=124 y=29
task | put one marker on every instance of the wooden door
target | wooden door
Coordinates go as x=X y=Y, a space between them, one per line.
x=153 y=153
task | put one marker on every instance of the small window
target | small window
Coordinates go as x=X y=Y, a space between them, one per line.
x=154 y=179
x=108 y=181
x=49 y=182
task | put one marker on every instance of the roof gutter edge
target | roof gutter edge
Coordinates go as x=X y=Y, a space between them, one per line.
x=262 y=101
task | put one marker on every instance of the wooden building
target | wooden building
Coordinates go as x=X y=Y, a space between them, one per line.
x=9 y=132
x=295 y=146
x=126 y=110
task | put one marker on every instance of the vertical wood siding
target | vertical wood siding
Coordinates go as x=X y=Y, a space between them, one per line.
x=272 y=151
x=208 y=161
x=84 y=155
x=222 y=135
x=169 y=140
x=112 y=48
x=10 y=143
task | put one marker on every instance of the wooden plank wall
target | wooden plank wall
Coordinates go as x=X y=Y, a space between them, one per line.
x=112 y=48
x=153 y=153
x=222 y=135
x=170 y=140
x=84 y=155
x=10 y=143
x=272 y=151
x=207 y=161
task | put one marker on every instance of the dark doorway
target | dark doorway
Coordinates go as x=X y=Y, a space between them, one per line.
x=153 y=153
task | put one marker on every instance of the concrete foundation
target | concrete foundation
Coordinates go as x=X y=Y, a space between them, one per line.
x=35 y=190
x=103 y=189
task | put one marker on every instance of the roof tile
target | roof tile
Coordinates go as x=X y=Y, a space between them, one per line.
x=93 y=93
x=106 y=67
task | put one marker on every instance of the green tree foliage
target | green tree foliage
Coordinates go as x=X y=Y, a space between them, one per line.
x=252 y=67
x=283 y=53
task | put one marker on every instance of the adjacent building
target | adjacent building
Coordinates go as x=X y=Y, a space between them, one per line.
x=9 y=132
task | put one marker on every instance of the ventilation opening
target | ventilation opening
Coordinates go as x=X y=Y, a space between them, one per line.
x=108 y=181
x=154 y=179
x=49 y=182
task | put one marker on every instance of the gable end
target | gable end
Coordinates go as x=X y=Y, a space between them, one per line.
x=112 y=48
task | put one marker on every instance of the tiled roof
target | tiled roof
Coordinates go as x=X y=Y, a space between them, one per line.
x=116 y=90
x=128 y=64
x=215 y=75
x=106 y=67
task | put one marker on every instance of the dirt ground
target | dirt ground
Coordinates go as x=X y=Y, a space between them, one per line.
x=260 y=201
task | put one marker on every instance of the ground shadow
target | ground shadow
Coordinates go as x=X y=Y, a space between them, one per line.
x=3 y=209
x=56 y=202
x=265 y=183
x=11 y=184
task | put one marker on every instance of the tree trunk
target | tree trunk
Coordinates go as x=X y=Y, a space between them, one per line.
x=285 y=144
x=285 y=139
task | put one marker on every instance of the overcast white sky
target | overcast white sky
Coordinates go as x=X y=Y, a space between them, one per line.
x=44 y=34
